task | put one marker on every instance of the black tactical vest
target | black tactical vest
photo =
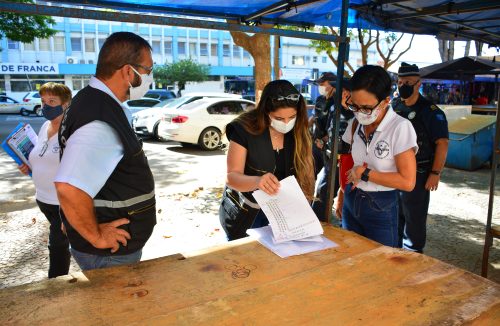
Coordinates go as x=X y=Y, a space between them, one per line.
x=426 y=147
x=129 y=191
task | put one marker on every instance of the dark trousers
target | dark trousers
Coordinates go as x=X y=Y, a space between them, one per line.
x=413 y=208
x=319 y=204
x=373 y=215
x=59 y=256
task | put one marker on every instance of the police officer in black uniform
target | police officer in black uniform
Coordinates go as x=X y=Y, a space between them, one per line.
x=323 y=136
x=432 y=137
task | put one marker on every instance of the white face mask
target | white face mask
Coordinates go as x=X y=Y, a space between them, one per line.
x=282 y=127
x=366 y=119
x=322 y=90
x=143 y=88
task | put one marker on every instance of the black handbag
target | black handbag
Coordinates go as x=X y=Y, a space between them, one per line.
x=237 y=213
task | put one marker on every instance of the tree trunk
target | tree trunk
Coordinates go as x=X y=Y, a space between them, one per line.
x=259 y=47
x=446 y=50
x=479 y=48
x=467 y=49
x=276 y=57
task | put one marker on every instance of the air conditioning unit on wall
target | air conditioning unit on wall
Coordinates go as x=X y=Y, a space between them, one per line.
x=71 y=60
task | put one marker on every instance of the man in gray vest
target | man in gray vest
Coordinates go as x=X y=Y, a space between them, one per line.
x=104 y=183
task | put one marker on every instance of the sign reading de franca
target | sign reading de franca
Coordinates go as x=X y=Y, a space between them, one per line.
x=9 y=68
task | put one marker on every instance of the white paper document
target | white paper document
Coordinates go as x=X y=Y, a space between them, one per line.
x=289 y=213
x=289 y=248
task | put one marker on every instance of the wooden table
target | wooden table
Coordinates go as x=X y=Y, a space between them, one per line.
x=242 y=283
x=484 y=109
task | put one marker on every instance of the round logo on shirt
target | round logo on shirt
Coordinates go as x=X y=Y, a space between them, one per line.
x=381 y=149
x=412 y=115
x=56 y=149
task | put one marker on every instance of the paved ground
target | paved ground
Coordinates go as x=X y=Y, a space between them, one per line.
x=189 y=184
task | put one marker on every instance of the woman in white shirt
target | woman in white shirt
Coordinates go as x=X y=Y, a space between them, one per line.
x=383 y=149
x=44 y=160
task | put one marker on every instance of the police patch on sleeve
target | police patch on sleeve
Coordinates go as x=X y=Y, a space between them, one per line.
x=440 y=117
x=434 y=107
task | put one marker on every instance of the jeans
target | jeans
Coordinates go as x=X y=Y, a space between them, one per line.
x=59 y=256
x=371 y=214
x=413 y=209
x=88 y=261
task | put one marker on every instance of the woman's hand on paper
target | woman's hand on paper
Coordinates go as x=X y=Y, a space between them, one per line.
x=269 y=184
x=24 y=169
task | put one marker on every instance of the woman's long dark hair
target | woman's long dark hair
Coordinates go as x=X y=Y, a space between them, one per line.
x=257 y=121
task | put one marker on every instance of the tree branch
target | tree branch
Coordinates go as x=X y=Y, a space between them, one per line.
x=401 y=54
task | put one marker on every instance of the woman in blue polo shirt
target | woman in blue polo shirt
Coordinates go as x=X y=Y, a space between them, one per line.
x=383 y=149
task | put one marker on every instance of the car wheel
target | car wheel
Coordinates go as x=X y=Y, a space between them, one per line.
x=210 y=139
x=24 y=112
x=38 y=111
x=155 y=132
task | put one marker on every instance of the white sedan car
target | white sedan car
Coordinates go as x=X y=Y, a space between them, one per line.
x=145 y=122
x=10 y=105
x=202 y=122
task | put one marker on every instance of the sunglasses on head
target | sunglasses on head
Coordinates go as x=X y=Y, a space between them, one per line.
x=291 y=99
x=363 y=109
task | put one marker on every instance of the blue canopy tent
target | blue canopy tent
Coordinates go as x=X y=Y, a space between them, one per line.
x=476 y=20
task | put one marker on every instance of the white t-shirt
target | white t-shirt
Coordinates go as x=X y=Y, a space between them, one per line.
x=92 y=152
x=44 y=160
x=394 y=135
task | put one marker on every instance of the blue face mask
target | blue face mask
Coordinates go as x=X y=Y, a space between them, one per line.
x=52 y=112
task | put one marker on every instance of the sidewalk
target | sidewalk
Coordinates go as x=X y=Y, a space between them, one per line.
x=189 y=185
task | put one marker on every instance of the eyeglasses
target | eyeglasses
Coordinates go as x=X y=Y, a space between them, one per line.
x=44 y=148
x=291 y=99
x=401 y=83
x=148 y=69
x=363 y=109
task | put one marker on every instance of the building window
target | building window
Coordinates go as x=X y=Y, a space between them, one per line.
x=76 y=44
x=59 y=44
x=236 y=51
x=80 y=82
x=13 y=45
x=192 y=50
x=44 y=44
x=203 y=49
x=298 y=60
x=167 y=46
x=101 y=42
x=90 y=44
x=181 y=48
x=214 y=50
x=323 y=59
x=315 y=59
x=225 y=50
x=246 y=54
x=156 y=45
x=20 y=86
x=29 y=46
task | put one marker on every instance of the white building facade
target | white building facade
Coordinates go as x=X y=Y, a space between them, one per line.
x=70 y=56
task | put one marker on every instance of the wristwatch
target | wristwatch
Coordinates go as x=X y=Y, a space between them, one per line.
x=364 y=175
x=436 y=172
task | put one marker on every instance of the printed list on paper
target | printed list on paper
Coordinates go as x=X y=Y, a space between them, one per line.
x=289 y=213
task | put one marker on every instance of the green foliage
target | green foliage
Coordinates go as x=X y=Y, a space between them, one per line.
x=181 y=72
x=25 y=28
x=329 y=47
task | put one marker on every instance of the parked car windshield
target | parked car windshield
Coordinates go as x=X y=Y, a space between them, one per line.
x=172 y=102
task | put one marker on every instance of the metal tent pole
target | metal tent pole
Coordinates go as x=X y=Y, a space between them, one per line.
x=492 y=232
x=342 y=54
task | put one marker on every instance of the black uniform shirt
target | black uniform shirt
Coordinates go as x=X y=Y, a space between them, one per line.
x=429 y=122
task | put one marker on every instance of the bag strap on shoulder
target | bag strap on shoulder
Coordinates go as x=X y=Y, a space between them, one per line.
x=354 y=126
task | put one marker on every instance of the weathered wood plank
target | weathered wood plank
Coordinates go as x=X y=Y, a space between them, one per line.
x=244 y=283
